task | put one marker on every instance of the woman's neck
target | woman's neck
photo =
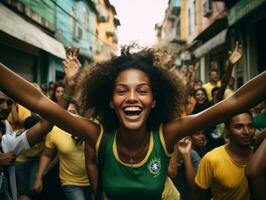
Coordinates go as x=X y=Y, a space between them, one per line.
x=132 y=138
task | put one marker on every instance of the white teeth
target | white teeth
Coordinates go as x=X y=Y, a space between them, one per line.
x=132 y=109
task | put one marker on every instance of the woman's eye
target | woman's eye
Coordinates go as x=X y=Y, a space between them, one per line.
x=120 y=91
x=143 y=91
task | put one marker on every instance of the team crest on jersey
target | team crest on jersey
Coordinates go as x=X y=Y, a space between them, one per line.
x=155 y=166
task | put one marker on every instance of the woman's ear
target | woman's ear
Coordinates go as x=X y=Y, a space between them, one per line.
x=111 y=104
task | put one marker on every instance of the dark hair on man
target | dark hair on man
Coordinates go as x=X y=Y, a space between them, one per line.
x=215 y=89
x=31 y=121
x=228 y=121
x=98 y=86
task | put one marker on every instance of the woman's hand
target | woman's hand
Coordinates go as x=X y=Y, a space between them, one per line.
x=236 y=55
x=37 y=185
x=71 y=66
x=7 y=159
x=184 y=146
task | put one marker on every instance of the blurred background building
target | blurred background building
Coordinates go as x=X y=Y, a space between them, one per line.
x=205 y=30
x=34 y=34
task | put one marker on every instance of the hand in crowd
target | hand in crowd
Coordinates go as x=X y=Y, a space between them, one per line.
x=37 y=185
x=236 y=55
x=71 y=65
x=184 y=146
x=7 y=159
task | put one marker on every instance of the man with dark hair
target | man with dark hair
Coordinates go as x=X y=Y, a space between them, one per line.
x=223 y=169
x=12 y=144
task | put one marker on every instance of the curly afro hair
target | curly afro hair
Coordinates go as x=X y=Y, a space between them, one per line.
x=98 y=83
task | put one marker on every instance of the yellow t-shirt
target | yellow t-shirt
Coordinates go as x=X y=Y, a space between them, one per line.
x=226 y=178
x=228 y=92
x=170 y=192
x=23 y=113
x=208 y=87
x=71 y=157
x=32 y=153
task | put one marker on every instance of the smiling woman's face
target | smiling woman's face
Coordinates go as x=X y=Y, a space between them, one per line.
x=132 y=98
x=200 y=97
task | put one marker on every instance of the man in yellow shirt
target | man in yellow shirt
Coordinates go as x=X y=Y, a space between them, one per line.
x=223 y=169
x=72 y=172
x=214 y=82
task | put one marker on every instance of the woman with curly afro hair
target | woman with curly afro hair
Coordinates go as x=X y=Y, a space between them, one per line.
x=136 y=101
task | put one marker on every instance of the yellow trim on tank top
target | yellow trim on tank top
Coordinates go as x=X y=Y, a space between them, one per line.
x=99 y=140
x=163 y=141
x=151 y=144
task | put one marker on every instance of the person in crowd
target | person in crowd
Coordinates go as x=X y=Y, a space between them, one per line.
x=183 y=167
x=27 y=162
x=214 y=82
x=230 y=87
x=58 y=93
x=198 y=84
x=199 y=142
x=136 y=101
x=51 y=87
x=256 y=172
x=56 y=90
x=223 y=169
x=202 y=102
x=72 y=173
x=13 y=144
x=215 y=134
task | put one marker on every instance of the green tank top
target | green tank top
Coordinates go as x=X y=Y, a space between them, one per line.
x=144 y=180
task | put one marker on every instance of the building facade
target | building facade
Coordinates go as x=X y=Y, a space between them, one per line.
x=34 y=34
x=210 y=29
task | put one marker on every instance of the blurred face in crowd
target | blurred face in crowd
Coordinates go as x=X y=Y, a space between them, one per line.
x=241 y=130
x=214 y=76
x=231 y=82
x=214 y=93
x=51 y=86
x=199 y=139
x=198 y=84
x=59 y=93
x=72 y=109
x=5 y=106
x=200 y=96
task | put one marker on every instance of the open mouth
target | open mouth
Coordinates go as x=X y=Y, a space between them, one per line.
x=132 y=111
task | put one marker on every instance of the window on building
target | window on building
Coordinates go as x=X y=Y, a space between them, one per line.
x=189 y=21
x=86 y=19
x=195 y=12
x=74 y=21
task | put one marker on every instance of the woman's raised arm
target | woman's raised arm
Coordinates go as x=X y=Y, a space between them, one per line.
x=247 y=96
x=27 y=95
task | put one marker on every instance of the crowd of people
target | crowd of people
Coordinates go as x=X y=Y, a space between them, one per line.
x=133 y=127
